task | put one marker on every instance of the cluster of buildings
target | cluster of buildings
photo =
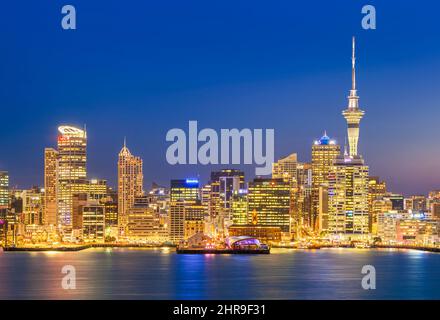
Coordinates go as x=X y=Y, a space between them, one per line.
x=332 y=198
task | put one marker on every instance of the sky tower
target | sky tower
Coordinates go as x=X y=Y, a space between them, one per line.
x=353 y=114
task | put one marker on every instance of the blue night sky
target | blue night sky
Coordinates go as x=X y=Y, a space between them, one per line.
x=140 y=68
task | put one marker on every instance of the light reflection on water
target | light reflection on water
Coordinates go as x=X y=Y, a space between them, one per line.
x=163 y=274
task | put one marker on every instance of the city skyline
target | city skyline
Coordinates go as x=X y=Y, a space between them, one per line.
x=297 y=73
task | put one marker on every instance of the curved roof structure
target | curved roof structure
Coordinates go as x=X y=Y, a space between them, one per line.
x=71 y=131
x=246 y=240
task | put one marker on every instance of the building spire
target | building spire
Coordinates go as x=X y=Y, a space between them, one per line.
x=353 y=65
x=125 y=142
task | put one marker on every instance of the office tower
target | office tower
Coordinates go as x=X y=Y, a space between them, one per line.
x=240 y=215
x=270 y=199
x=72 y=159
x=130 y=185
x=353 y=114
x=32 y=201
x=324 y=153
x=223 y=185
x=111 y=208
x=182 y=193
x=50 y=186
x=348 y=197
x=348 y=179
x=93 y=222
x=4 y=189
x=194 y=217
x=285 y=168
x=376 y=191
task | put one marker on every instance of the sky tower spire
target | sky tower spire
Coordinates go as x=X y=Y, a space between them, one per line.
x=353 y=114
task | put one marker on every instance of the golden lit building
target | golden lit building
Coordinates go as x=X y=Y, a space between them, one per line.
x=270 y=200
x=72 y=158
x=286 y=168
x=348 y=197
x=324 y=153
x=195 y=214
x=32 y=206
x=130 y=185
x=93 y=222
x=223 y=185
x=239 y=205
x=50 y=186
x=182 y=192
x=144 y=223
x=376 y=191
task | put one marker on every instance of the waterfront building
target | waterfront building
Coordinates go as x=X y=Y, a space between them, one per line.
x=262 y=233
x=269 y=200
x=223 y=185
x=408 y=228
x=144 y=223
x=32 y=202
x=181 y=191
x=93 y=222
x=194 y=218
x=130 y=185
x=324 y=153
x=71 y=177
x=50 y=187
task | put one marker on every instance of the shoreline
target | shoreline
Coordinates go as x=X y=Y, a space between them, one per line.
x=141 y=246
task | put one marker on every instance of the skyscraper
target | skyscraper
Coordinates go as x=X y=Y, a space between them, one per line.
x=50 y=186
x=72 y=145
x=285 y=168
x=353 y=114
x=182 y=193
x=348 y=177
x=130 y=185
x=270 y=200
x=324 y=153
x=223 y=185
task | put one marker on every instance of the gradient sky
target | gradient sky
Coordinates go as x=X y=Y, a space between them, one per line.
x=140 y=68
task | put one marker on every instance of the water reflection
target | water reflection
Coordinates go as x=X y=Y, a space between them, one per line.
x=163 y=274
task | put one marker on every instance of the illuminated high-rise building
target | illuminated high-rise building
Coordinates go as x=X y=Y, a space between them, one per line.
x=286 y=168
x=223 y=185
x=239 y=208
x=348 y=178
x=182 y=193
x=50 y=186
x=130 y=185
x=353 y=114
x=324 y=153
x=32 y=206
x=4 y=189
x=269 y=200
x=71 y=179
x=93 y=222
x=376 y=191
